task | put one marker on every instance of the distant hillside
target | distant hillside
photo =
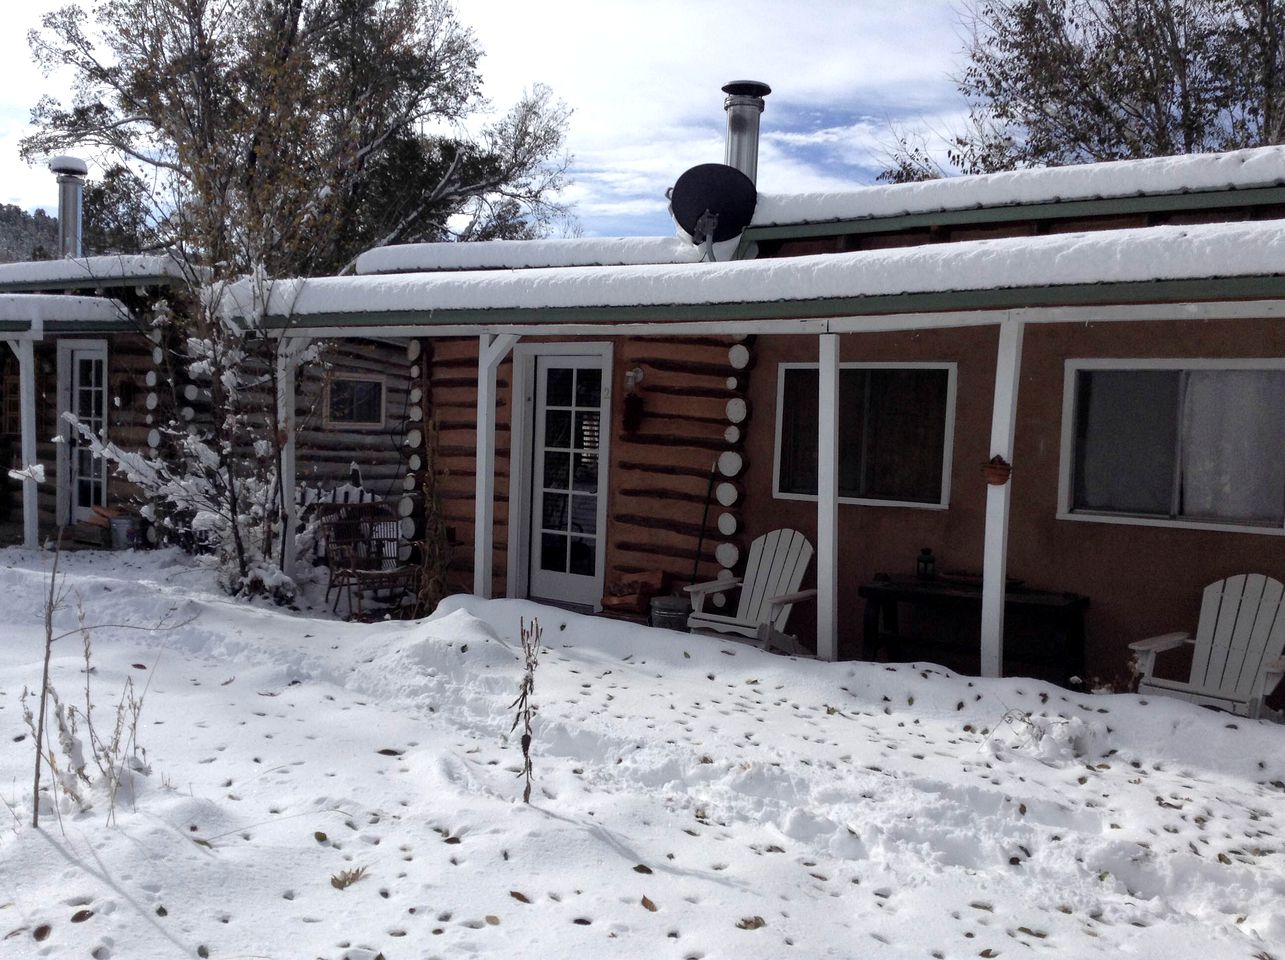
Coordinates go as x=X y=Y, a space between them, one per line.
x=24 y=236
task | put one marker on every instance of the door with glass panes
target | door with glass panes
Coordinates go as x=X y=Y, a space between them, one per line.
x=567 y=479
x=84 y=373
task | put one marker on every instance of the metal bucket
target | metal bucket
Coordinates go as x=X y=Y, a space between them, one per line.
x=124 y=533
x=670 y=613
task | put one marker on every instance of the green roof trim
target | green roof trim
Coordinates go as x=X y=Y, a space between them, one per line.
x=1101 y=294
x=1061 y=209
x=87 y=283
x=62 y=328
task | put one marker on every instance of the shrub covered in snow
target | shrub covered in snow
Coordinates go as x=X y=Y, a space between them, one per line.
x=214 y=485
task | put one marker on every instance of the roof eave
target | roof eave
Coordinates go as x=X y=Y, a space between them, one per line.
x=1094 y=294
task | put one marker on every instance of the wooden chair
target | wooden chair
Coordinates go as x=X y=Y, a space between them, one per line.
x=1238 y=643
x=366 y=553
x=769 y=591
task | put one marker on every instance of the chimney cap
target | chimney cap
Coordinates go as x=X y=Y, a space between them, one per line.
x=73 y=166
x=747 y=88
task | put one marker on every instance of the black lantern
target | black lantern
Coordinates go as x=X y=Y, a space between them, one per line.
x=926 y=565
x=632 y=416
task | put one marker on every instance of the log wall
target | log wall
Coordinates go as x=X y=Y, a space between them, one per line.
x=327 y=452
x=658 y=476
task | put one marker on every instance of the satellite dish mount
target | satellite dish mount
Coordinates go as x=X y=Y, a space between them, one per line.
x=712 y=202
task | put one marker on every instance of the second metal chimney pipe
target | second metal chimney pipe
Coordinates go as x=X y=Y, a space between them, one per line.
x=744 y=104
x=71 y=173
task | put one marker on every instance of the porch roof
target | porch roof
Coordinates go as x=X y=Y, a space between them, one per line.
x=87 y=273
x=1172 y=264
x=34 y=313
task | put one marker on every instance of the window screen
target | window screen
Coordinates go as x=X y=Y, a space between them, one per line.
x=1181 y=444
x=892 y=432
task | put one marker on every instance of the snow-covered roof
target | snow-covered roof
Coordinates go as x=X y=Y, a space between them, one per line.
x=1118 y=256
x=527 y=254
x=28 y=310
x=1236 y=170
x=112 y=270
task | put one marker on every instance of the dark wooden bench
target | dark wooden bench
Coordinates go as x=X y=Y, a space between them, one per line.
x=1043 y=635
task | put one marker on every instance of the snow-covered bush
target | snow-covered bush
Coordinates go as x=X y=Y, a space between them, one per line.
x=214 y=485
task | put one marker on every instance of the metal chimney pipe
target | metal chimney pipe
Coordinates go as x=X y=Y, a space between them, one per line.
x=71 y=173
x=744 y=104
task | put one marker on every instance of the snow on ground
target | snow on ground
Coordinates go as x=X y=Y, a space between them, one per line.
x=694 y=798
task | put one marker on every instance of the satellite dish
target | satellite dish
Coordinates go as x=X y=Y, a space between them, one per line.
x=713 y=202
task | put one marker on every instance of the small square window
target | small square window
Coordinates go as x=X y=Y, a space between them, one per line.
x=357 y=402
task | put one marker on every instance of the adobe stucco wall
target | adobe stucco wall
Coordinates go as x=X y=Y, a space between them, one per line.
x=1141 y=581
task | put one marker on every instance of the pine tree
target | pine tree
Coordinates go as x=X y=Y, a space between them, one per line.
x=1052 y=82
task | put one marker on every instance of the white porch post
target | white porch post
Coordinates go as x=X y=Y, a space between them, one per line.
x=491 y=351
x=287 y=365
x=828 y=498
x=1008 y=365
x=25 y=352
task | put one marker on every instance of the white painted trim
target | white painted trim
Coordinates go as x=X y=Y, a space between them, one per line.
x=1175 y=524
x=66 y=348
x=287 y=367
x=828 y=369
x=875 y=323
x=24 y=353
x=491 y=353
x=521 y=429
x=948 y=439
x=1066 y=451
x=1008 y=368
x=1176 y=363
x=379 y=378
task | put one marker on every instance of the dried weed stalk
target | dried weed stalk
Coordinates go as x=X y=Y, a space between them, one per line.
x=117 y=756
x=523 y=708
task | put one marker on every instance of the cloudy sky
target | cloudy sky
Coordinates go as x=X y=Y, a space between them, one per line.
x=643 y=79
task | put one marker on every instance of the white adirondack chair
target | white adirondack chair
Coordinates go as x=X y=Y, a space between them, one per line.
x=1238 y=644
x=769 y=591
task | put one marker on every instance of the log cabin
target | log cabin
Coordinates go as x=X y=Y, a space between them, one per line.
x=86 y=329
x=848 y=364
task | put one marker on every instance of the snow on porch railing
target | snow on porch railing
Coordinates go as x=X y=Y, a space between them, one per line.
x=307 y=499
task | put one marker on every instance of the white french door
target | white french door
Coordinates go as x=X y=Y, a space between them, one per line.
x=567 y=505
x=82 y=386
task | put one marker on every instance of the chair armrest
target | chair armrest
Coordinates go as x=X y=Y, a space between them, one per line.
x=698 y=591
x=1276 y=668
x=1168 y=641
x=713 y=586
x=1143 y=663
x=788 y=598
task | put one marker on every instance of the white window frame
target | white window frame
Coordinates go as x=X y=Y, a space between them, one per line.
x=948 y=440
x=1066 y=455
x=522 y=426
x=357 y=424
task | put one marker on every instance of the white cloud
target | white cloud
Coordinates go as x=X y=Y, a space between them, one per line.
x=643 y=79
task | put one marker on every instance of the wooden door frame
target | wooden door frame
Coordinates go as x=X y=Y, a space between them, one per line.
x=66 y=350
x=522 y=431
